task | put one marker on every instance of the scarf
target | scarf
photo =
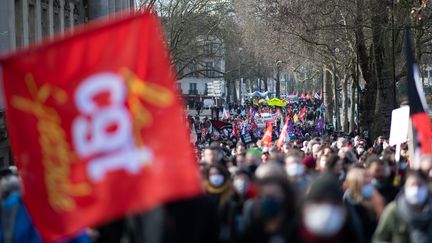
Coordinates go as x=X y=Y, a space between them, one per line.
x=418 y=221
x=221 y=192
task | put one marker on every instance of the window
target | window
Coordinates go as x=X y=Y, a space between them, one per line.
x=209 y=72
x=193 y=89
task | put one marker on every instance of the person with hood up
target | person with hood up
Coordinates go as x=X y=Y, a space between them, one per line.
x=409 y=217
x=232 y=221
x=269 y=217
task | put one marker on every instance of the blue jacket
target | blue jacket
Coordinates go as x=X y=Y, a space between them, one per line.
x=23 y=229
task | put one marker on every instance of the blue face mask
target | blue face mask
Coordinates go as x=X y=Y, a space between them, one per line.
x=367 y=191
x=269 y=207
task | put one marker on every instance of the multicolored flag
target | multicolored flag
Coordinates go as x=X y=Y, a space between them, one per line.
x=87 y=116
x=422 y=135
x=267 y=138
x=282 y=136
x=320 y=125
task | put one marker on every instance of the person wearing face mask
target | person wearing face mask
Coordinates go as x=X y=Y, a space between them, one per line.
x=324 y=218
x=335 y=166
x=253 y=159
x=364 y=199
x=378 y=145
x=269 y=217
x=381 y=178
x=217 y=183
x=426 y=168
x=409 y=217
x=360 y=149
x=296 y=172
x=232 y=221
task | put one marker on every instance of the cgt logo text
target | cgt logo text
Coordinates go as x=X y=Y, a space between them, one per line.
x=105 y=130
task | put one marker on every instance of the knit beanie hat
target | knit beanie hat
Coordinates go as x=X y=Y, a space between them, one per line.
x=309 y=162
x=325 y=188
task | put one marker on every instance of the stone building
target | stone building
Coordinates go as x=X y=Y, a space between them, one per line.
x=26 y=21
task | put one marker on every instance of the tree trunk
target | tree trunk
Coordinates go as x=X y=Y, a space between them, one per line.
x=352 y=104
x=336 y=100
x=328 y=96
x=344 y=83
x=234 y=90
x=228 y=91
x=385 y=88
x=265 y=80
x=368 y=94
x=278 y=83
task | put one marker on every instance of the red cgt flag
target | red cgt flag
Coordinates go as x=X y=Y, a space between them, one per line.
x=90 y=118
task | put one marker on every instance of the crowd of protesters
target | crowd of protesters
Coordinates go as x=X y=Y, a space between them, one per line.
x=316 y=186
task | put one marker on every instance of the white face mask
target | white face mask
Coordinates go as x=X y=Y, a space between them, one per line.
x=295 y=169
x=416 y=195
x=322 y=163
x=216 y=180
x=241 y=186
x=324 y=219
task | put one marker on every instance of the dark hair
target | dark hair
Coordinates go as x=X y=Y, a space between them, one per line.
x=416 y=173
x=215 y=146
x=331 y=162
x=294 y=153
x=222 y=169
x=373 y=159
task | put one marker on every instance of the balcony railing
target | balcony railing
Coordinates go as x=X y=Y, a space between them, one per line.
x=193 y=92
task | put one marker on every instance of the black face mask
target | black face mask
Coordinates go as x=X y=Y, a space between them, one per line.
x=269 y=207
x=378 y=183
x=252 y=168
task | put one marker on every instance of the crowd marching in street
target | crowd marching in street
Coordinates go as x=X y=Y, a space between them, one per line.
x=102 y=155
x=304 y=183
x=287 y=180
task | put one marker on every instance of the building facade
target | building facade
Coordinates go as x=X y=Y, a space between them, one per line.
x=207 y=69
x=23 y=22
x=26 y=21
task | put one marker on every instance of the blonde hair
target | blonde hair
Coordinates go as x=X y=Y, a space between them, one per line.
x=354 y=182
